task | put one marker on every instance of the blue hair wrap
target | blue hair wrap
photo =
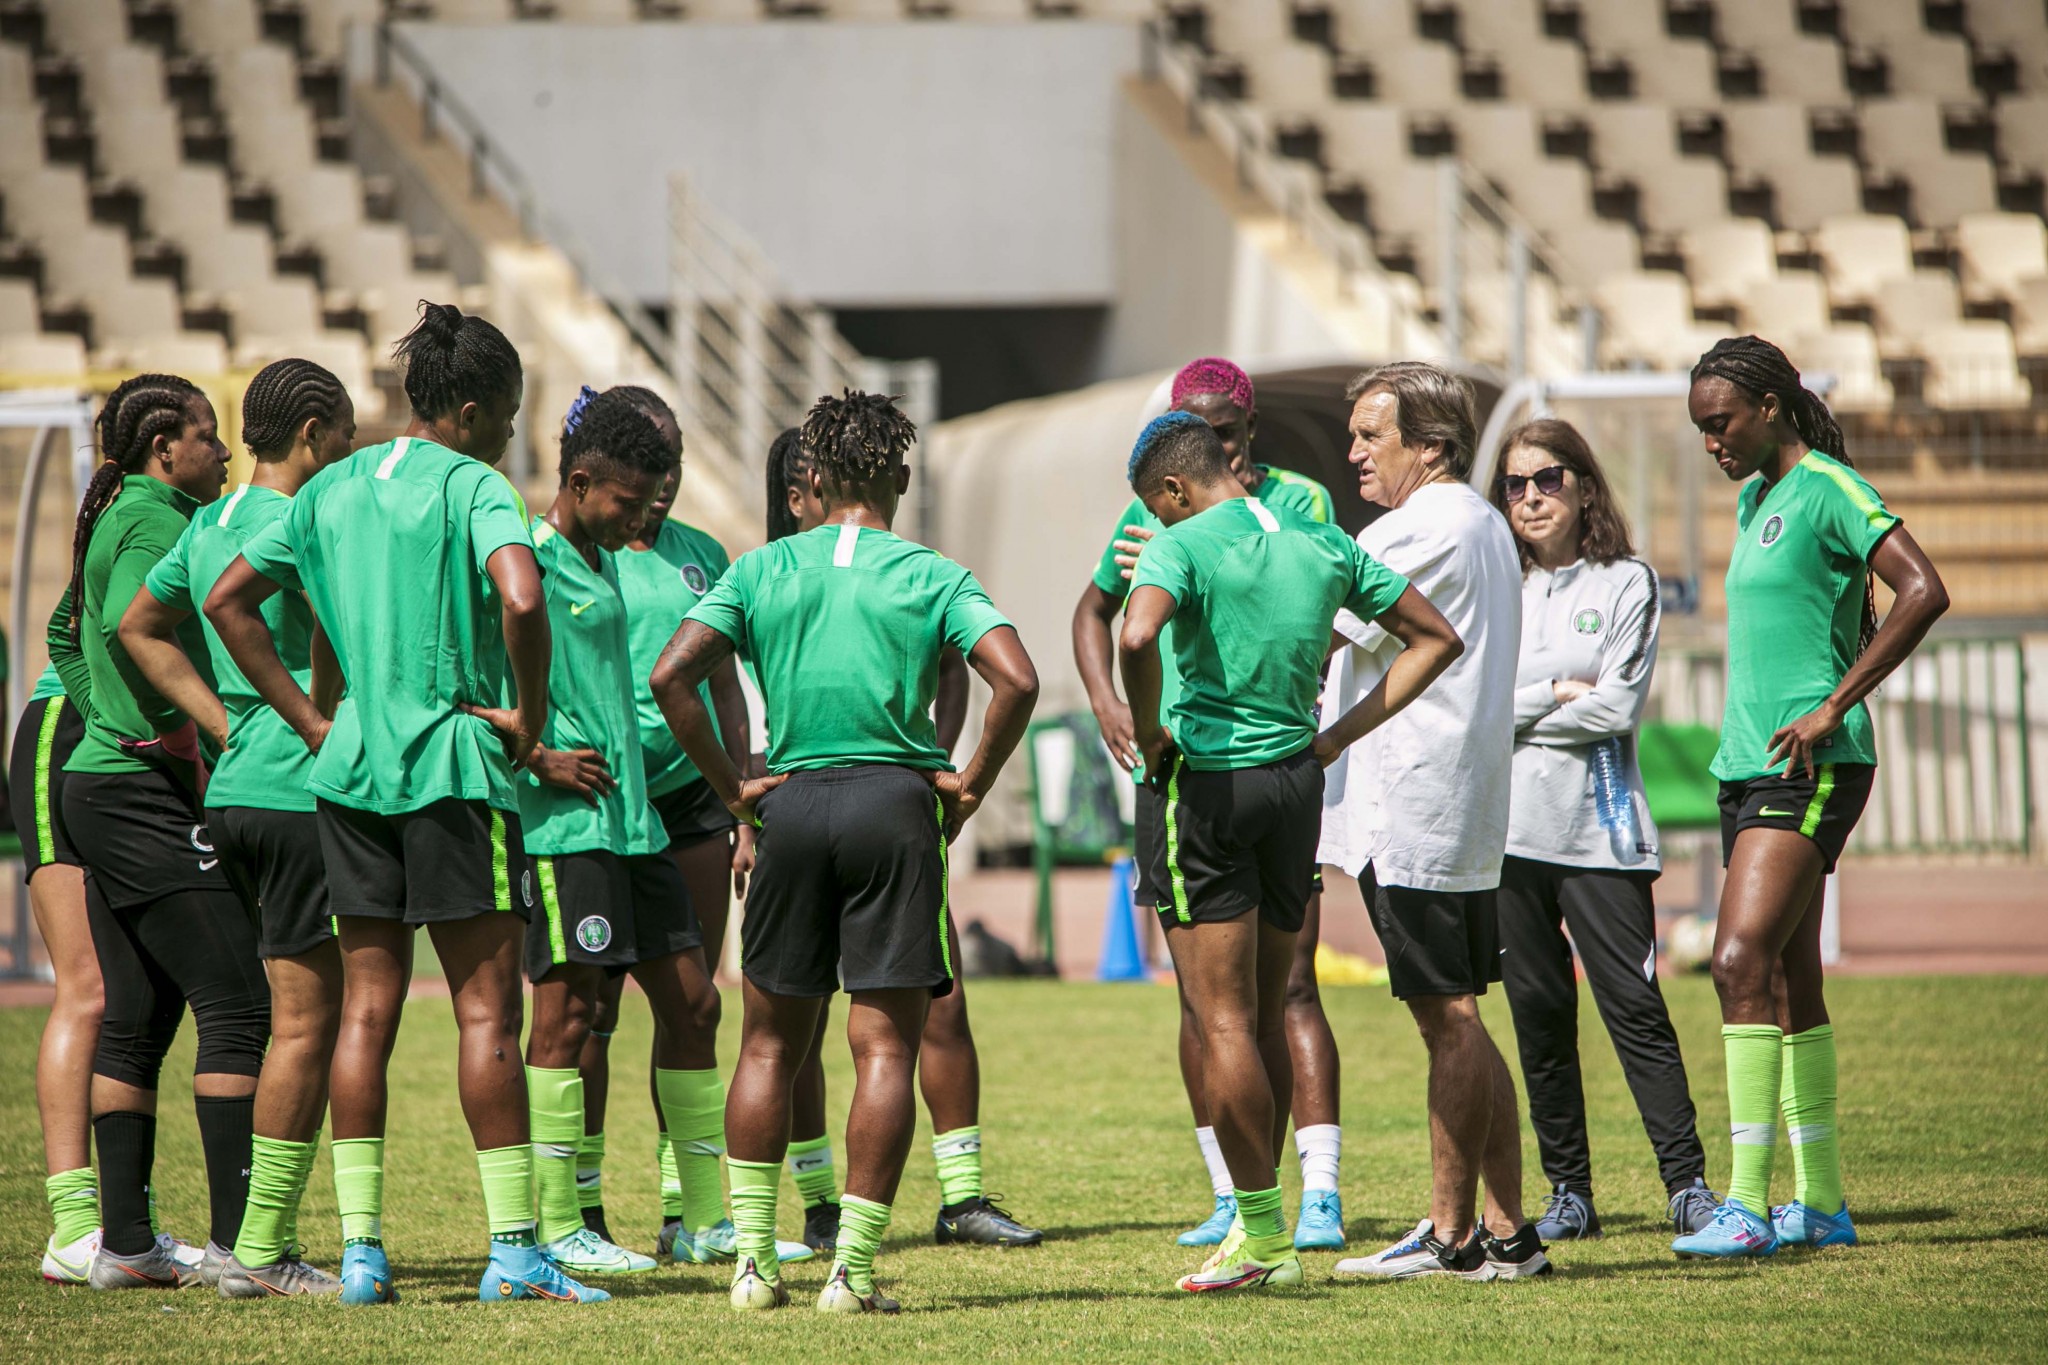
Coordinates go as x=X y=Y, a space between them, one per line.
x=575 y=417
x=1156 y=428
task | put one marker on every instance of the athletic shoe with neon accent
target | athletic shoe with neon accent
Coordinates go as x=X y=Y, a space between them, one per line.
x=70 y=1264
x=527 y=1273
x=583 y=1252
x=1519 y=1257
x=1568 y=1217
x=1321 y=1225
x=665 y=1240
x=754 y=1292
x=1420 y=1253
x=1234 y=1267
x=1691 y=1207
x=1213 y=1229
x=716 y=1245
x=366 y=1276
x=282 y=1278
x=152 y=1269
x=821 y=1226
x=789 y=1253
x=1735 y=1232
x=839 y=1296
x=1802 y=1225
x=982 y=1221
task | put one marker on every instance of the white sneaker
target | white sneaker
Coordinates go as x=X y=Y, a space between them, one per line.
x=70 y=1264
x=583 y=1252
x=1418 y=1254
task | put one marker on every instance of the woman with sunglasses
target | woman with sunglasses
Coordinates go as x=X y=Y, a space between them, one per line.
x=1589 y=646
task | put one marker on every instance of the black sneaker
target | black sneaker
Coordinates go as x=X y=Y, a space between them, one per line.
x=981 y=1221
x=593 y=1219
x=821 y=1226
x=1518 y=1257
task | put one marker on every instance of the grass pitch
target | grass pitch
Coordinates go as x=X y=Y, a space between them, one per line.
x=1944 y=1119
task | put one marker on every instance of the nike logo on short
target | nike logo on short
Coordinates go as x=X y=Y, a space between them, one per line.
x=1768 y=813
x=578 y=608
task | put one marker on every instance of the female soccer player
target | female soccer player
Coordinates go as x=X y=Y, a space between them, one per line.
x=417 y=562
x=1237 y=765
x=166 y=925
x=297 y=419
x=1796 y=762
x=845 y=624
x=1589 y=649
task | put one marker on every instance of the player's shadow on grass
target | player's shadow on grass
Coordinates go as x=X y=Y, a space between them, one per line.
x=1878 y=1217
x=1074 y=1232
x=2036 y=1233
x=1080 y=1294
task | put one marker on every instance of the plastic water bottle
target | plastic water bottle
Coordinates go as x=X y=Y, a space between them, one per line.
x=1614 y=803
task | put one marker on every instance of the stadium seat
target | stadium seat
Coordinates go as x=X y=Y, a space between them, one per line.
x=344 y=353
x=17 y=79
x=2030 y=316
x=1862 y=254
x=1803 y=67
x=50 y=355
x=133 y=310
x=87 y=25
x=219 y=25
x=1679 y=72
x=1592 y=248
x=2023 y=133
x=47 y=201
x=1791 y=303
x=123 y=75
x=1932 y=64
x=20 y=316
x=192 y=354
x=1905 y=135
x=1914 y=307
x=474 y=11
x=2018 y=29
x=189 y=204
x=21 y=140
x=1848 y=351
x=1725 y=260
x=1773 y=139
x=1649 y=320
x=1973 y=365
x=596 y=12
x=328 y=20
x=1359 y=137
x=228 y=259
x=275 y=306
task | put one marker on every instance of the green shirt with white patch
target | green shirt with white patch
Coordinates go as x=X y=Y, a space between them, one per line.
x=1795 y=610
x=660 y=584
x=1255 y=589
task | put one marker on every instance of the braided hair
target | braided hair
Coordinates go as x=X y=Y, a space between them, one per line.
x=612 y=436
x=788 y=462
x=1756 y=367
x=136 y=413
x=858 y=437
x=450 y=360
x=281 y=399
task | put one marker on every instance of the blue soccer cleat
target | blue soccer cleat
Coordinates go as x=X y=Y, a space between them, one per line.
x=1735 y=1232
x=366 y=1276
x=1800 y=1225
x=1321 y=1226
x=1216 y=1227
x=524 y=1273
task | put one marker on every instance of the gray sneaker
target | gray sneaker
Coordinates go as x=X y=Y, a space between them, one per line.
x=212 y=1261
x=1567 y=1216
x=1692 y=1207
x=287 y=1275
x=153 y=1269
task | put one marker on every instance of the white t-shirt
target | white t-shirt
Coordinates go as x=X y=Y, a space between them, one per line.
x=1424 y=798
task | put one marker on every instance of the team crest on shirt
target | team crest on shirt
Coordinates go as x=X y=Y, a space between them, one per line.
x=1774 y=526
x=595 y=934
x=695 y=579
x=203 y=843
x=1588 y=622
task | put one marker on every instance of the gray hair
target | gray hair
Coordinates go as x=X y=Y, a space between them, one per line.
x=1431 y=406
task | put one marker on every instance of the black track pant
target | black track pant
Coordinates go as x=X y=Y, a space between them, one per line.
x=1612 y=923
x=193 y=947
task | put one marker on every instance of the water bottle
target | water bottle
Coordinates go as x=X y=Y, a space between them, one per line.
x=1614 y=803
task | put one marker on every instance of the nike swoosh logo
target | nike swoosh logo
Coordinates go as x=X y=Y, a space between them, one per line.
x=1767 y=812
x=546 y=1293
x=578 y=608
x=208 y=864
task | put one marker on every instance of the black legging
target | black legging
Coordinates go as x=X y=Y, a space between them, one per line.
x=195 y=947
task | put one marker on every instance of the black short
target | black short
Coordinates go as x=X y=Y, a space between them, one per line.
x=451 y=860
x=851 y=882
x=692 y=813
x=1824 y=807
x=608 y=910
x=1237 y=839
x=139 y=836
x=273 y=859
x=1436 y=942
x=49 y=730
x=1145 y=893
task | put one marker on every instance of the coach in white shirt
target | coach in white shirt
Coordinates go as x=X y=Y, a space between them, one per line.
x=1418 y=810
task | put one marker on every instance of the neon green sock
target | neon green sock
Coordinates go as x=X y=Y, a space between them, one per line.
x=302 y=1175
x=359 y=1189
x=507 y=1174
x=693 y=1102
x=274 y=1186
x=554 y=1105
x=810 y=1166
x=754 y=1187
x=671 y=1183
x=958 y=1155
x=74 y=1203
x=1755 y=1063
x=1808 y=1101
x=1265 y=1232
x=590 y=1171
x=861 y=1225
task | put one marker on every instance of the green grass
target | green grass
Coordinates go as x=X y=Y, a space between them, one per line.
x=1945 y=1083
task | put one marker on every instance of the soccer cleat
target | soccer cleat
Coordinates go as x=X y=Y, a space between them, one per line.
x=1234 y=1267
x=789 y=1253
x=212 y=1262
x=286 y=1276
x=1691 y=1207
x=1213 y=1229
x=839 y=1296
x=152 y=1269
x=527 y=1273
x=1519 y=1257
x=1801 y=1225
x=754 y=1292
x=982 y=1221
x=671 y=1233
x=1567 y=1217
x=583 y=1252
x=1419 y=1254
x=821 y=1226
x=1734 y=1232
x=180 y=1250
x=366 y=1275
x=70 y=1264
x=716 y=1245
x=1321 y=1226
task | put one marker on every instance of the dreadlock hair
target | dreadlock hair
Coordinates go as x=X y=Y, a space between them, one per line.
x=858 y=437
x=1756 y=367
x=1176 y=443
x=613 y=437
x=450 y=360
x=787 y=463
x=281 y=399
x=136 y=413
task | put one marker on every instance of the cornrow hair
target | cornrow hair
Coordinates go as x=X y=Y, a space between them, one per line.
x=613 y=436
x=787 y=462
x=281 y=399
x=1175 y=443
x=655 y=406
x=1213 y=374
x=858 y=437
x=137 y=412
x=450 y=360
x=1757 y=368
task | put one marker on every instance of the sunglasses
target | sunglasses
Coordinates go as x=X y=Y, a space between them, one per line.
x=1549 y=482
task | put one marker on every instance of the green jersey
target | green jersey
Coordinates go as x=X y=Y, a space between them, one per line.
x=845 y=625
x=266 y=764
x=1285 y=488
x=1795 y=610
x=660 y=584
x=48 y=684
x=590 y=706
x=138 y=528
x=1255 y=589
x=389 y=545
